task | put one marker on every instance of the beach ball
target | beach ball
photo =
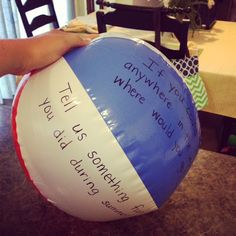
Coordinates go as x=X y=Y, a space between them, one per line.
x=108 y=131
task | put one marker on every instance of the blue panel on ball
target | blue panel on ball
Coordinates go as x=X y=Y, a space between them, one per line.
x=146 y=105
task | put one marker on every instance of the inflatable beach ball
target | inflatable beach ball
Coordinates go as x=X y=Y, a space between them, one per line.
x=108 y=131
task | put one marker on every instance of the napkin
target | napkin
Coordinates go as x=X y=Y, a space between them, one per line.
x=77 y=26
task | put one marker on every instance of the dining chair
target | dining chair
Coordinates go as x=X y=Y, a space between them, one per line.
x=131 y=17
x=39 y=20
x=147 y=18
x=180 y=31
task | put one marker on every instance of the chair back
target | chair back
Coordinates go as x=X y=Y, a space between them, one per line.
x=180 y=30
x=39 y=20
x=147 y=18
x=132 y=17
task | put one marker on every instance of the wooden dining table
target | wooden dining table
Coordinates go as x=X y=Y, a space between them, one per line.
x=216 y=49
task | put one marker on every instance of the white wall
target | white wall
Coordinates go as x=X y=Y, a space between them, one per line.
x=65 y=10
x=80 y=7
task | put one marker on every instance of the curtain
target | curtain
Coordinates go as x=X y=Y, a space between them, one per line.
x=8 y=29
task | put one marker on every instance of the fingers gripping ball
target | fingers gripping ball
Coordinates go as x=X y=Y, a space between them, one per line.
x=108 y=131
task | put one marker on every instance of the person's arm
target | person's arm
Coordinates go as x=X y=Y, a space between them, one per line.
x=20 y=56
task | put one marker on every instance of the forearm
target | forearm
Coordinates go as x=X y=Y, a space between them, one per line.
x=15 y=56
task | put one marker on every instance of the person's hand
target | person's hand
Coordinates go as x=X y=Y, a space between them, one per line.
x=49 y=47
x=20 y=56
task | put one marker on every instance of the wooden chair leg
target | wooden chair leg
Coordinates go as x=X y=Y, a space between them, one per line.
x=90 y=6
